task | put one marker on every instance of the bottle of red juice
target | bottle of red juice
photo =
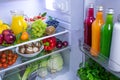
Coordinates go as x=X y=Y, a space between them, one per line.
x=88 y=24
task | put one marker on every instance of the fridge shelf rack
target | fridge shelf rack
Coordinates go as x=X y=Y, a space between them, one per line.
x=103 y=61
x=38 y=39
x=33 y=60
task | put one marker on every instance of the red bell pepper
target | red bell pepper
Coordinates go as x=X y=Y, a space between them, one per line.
x=49 y=43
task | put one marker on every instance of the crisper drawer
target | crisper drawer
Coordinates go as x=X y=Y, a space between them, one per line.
x=50 y=67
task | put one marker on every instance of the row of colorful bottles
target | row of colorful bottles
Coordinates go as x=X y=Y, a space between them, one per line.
x=97 y=34
x=103 y=37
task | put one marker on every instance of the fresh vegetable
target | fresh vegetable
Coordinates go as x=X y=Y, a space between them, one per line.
x=93 y=71
x=38 y=28
x=33 y=67
x=24 y=36
x=49 y=43
x=14 y=75
x=7 y=58
x=9 y=38
x=55 y=63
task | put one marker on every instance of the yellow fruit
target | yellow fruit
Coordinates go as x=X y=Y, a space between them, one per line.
x=3 y=27
x=1 y=22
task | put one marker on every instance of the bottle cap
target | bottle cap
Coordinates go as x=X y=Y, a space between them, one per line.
x=100 y=8
x=110 y=11
x=91 y=5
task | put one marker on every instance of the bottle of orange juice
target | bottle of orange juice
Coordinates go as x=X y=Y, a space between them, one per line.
x=96 y=28
x=18 y=24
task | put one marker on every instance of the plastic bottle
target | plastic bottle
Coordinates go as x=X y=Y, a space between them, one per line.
x=87 y=25
x=96 y=28
x=106 y=34
x=114 y=59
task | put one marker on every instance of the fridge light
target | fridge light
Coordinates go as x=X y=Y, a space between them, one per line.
x=49 y=4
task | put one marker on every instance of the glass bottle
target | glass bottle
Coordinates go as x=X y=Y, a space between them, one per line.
x=96 y=27
x=18 y=24
x=106 y=34
x=114 y=59
x=87 y=25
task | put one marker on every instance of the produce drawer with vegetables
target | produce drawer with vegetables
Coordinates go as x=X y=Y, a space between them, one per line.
x=46 y=68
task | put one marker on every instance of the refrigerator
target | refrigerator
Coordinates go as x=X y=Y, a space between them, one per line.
x=71 y=15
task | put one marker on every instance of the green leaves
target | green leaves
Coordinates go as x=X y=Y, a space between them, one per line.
x=94 y=71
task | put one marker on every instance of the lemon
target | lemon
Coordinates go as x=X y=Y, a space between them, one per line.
x=1 y=22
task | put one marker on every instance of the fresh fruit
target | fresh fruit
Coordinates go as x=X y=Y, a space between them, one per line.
x=9 y=38
x=7 y=31
x=5 y=65
x=59 y=44
x=38 y=28
x=65 y=43
x=52 y=22
x=3 y=27
x=24 y=36
x=1 y=39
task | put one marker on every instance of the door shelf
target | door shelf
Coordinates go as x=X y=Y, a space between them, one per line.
x=103 y=61
x=19 y=64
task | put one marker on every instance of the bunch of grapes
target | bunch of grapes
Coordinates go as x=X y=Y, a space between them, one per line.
x=38 y=28
x=52 y=22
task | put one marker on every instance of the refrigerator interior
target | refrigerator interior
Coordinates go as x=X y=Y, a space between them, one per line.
x=69 y=19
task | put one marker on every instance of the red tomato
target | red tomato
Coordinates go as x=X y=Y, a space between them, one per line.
x=10 y=54
x=5 y=65
x=3 y=55
x=10 y=62
x=15 y=56
x=3 y=60
x=9 y=58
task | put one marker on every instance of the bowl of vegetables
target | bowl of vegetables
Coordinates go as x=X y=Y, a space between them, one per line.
x=30 y=50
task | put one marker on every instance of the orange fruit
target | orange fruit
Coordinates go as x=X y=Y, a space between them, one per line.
x=24 y=36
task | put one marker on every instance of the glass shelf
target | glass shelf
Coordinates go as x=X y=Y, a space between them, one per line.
x=103 y=61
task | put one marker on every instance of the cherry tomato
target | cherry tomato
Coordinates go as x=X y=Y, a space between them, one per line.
x=10 y=62
x=3 y=60
x=15 y=56
x=3 y=55
x=14 y=60
x=9 y=58
x=10 y=54
x=5 y=65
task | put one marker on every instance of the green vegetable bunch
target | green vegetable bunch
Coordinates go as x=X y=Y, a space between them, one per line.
x=93 y=71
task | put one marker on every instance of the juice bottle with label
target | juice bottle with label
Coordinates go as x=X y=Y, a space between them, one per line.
x=106 y=34
x=18 y=23
x=96 y=28
x=87 y=25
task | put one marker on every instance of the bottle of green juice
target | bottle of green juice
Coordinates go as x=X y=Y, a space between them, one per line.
x=106 y=34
